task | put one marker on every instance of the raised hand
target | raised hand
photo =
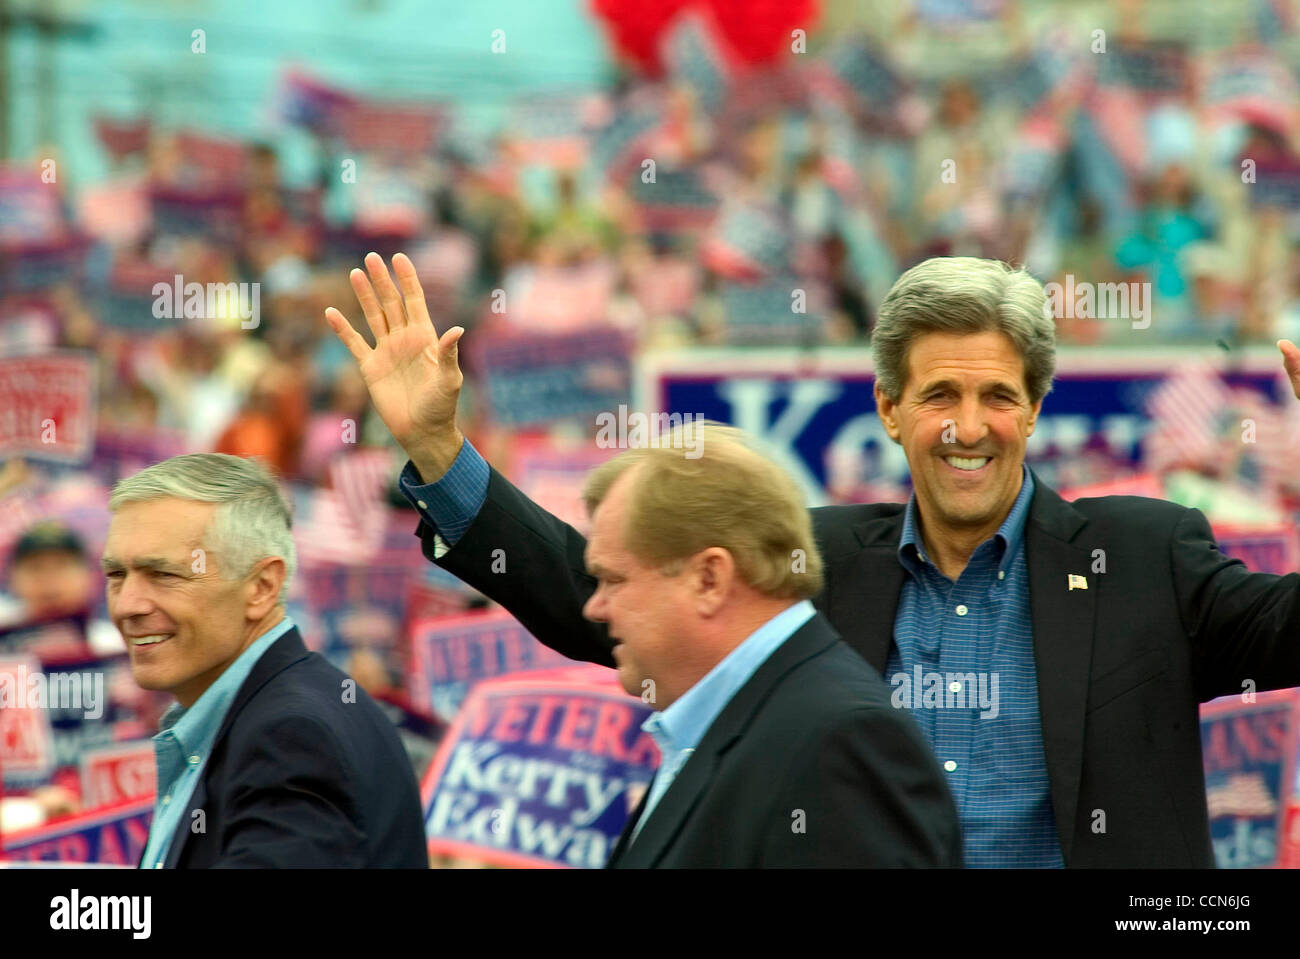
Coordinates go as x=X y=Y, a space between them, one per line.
x=1291 y=361
x=413 y=375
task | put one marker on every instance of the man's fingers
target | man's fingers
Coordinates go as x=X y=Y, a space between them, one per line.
x=448 y=351
x=1291 y=362
x=369 y=303
x=388 y=295
x=417 y=310
x=344 y=331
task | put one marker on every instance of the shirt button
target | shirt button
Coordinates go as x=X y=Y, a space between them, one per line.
x=157 y=865
x=950 y=765
x=194 y=760
x=167 y=799
x=422 y=504
x=955 y=686
x=1002 y=574
x=962 y=610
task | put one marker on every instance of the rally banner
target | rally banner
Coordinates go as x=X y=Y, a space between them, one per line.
x=450 y=654
x=813 y=409
x=26 y=737
x=781 y=311
x=47 y=407
x=116 y=774
x=115 y=835
x=532 y=380
x=1249 y=753
x=543 y=771
x=1267 y=549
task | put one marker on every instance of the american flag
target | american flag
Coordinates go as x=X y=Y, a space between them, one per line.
x=1244 y=794
x=346 y=524
x=1189 y=409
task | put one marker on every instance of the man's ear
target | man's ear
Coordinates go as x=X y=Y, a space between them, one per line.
x=713 y=571
x=887 y=410
x=1033 y=417
x=263 y=586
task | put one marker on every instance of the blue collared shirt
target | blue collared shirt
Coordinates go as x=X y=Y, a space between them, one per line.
x=182 y=747
x=982 y=721
x=679 y=727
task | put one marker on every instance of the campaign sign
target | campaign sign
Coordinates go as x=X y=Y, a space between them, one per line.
x=534 y=379
x=812 y=407
x=449 y=654
x=55 y=639
x=26 y=739
x=116 y=774
x=541 y=771
x=47 y=406
x=115 y=835
x=1249 y=752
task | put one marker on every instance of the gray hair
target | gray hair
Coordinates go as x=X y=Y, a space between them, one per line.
x=963 y=294
x=252 y=519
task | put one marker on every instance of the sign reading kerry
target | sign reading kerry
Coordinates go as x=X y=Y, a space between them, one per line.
x=540 y=771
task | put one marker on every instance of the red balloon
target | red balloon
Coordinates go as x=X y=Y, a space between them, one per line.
x=750 y=31
x=636 y=26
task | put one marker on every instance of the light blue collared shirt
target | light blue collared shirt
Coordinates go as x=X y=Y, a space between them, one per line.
x=679 y=728
x=182 y=747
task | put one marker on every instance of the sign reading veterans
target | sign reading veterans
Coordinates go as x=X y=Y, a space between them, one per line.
x=114 y=835
x=1249 y=751
x=541 y=771
x=449 y=654
x=47 y=406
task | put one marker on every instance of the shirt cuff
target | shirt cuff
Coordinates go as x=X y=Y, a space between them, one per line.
x=450 y=504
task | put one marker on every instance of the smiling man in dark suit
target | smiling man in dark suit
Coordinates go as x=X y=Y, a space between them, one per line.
x=270 y=756
x=1091 y=755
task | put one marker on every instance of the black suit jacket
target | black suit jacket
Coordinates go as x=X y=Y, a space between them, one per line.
x=1122 y=665
x=298 y=777
x=807 y=765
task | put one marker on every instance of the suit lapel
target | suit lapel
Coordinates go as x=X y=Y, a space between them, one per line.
x=675 y=805
x=1063 y=621
x=863 y=589
x=625 y=837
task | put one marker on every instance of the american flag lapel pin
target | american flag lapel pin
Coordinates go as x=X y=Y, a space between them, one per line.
x=1078 y=582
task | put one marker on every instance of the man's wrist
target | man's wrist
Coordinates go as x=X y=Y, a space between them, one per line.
x=432 y=457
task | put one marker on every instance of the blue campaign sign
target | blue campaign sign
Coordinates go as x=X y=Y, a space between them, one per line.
x=812 y=408
x=539 y=771
x=1249 y=752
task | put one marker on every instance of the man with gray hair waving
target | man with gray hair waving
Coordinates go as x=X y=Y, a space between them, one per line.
x=270 y=756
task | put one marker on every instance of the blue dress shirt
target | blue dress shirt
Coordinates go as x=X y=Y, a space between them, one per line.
x=680 y=726
x=971 y=642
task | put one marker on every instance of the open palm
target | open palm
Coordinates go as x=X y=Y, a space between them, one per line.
x=413 y=376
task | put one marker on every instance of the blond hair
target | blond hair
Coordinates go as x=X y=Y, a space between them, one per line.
x=730 y=496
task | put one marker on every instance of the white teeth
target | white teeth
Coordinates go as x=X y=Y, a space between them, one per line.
x=966 y=463
x=147 y=640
